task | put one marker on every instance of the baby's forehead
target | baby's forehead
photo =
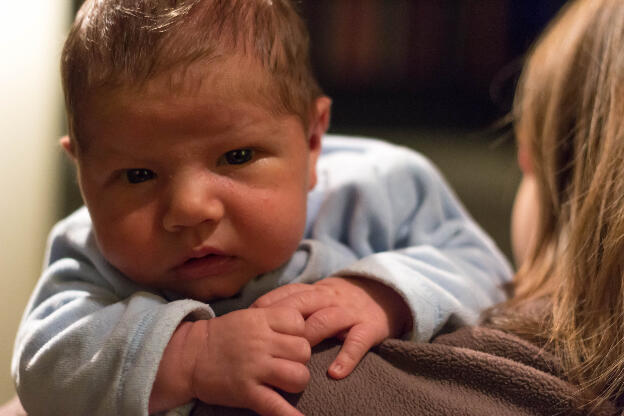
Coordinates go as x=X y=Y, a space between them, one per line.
x=128 y=131
x=212 y=107
x=212 y=84
x=233 y=75
x=226 y=79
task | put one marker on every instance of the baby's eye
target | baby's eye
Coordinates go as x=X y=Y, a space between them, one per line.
x=238 y=156
x=139 y=175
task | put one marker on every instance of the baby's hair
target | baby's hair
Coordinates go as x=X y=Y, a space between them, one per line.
x=126 y=43
x=569 y=113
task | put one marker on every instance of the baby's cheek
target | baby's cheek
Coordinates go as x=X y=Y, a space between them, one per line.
x=277 y=230
x=131 y=249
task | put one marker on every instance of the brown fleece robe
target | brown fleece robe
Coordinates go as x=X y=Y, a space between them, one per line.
x=472 y=371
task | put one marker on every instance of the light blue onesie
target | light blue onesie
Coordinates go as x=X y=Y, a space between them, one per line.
x=91 y=340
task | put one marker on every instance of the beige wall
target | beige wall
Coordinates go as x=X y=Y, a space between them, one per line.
x=31 y=36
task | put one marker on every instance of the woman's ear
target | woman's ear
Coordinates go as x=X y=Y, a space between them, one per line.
x=68 y=145
x=524 y=160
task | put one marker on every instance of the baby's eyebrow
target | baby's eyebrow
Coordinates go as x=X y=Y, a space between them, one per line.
x=244 y=129
x=108 y=155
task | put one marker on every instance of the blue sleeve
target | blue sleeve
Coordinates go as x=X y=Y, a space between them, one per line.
x=90 y=341
x=408 y=230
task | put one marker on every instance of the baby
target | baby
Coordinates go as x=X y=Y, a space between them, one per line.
x=219 y=240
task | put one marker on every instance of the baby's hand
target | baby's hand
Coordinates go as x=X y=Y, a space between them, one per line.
x=361 y=311
x=238 y=358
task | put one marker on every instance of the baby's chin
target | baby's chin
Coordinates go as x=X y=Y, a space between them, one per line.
x=210 y=294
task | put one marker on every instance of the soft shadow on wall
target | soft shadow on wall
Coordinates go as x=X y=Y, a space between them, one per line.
x=432 y=75
x=30 y=123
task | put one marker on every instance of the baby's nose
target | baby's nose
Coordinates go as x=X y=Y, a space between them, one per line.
x=192 y=202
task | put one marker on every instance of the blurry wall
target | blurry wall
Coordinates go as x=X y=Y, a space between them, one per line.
x=31 y=37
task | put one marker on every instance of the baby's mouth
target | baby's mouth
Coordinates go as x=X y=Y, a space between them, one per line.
x=196 y=259
x=208 y=266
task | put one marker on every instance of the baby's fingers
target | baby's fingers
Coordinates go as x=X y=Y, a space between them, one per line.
x=326 y=323
x=276 y=295
x=292 y=348
x=289 y=376
x=285 y=320
x=359 y=340
x=267 y=402
x=307 y=302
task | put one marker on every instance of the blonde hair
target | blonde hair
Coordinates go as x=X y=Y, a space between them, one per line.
x=569 y=113
x=125 y=43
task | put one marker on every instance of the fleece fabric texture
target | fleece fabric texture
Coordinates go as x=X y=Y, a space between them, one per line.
x=91 y=340
x=472 y=371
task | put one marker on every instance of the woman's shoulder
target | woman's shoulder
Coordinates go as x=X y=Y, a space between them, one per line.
x=476 y=370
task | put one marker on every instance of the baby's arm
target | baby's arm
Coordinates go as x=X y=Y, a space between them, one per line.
x=412 y=237
x=362 y=312
x=235 y=360
x=92 y=342
x=83 y=351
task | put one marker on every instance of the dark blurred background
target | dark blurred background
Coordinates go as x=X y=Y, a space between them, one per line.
x=435 y=75
x=422 y=62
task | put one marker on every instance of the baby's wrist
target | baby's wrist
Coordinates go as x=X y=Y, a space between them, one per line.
x=173 y=384
x=395 y=307
x=398 y=311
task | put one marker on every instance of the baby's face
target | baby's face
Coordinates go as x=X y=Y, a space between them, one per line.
x=195 y=194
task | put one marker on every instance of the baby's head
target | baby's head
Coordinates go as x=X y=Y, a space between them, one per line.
x=195 y=127
x=124 y=44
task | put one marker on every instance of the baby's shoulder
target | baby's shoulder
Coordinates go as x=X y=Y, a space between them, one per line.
x=76 y=224
x=72 y=237
x=335 y=143
x=360 y=155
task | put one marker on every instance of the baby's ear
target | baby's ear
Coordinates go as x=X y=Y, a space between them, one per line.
x=68 y=145
x=319 y=123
